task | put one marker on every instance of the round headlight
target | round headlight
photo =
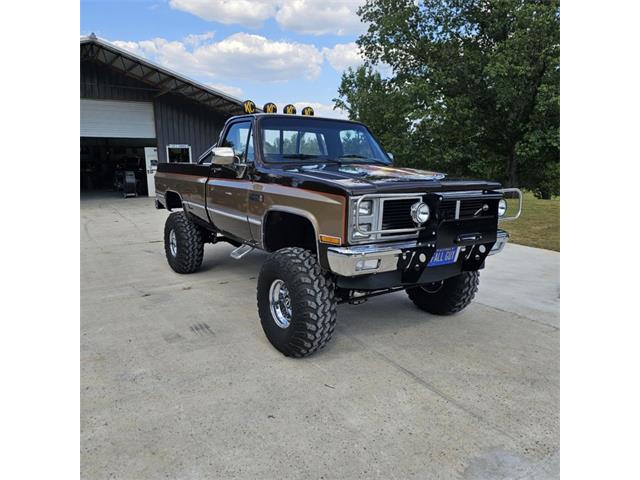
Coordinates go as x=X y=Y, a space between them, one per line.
x=502 y=207
x=420 y=212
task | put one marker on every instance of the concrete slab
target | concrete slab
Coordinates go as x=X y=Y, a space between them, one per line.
x=178 y=380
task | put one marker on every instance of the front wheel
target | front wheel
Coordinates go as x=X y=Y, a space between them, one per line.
x=296 y=302
x=447 y=296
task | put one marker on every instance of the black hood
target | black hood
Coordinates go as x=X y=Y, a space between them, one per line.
x=360 y=179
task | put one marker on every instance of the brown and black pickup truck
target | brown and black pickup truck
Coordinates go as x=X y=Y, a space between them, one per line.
x=341 y=223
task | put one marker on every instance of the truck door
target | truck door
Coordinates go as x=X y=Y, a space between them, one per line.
x=228 y=189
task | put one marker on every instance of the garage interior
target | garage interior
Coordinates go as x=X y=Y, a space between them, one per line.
x=105 y=161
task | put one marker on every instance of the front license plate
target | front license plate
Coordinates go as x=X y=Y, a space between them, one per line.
x=444 y=256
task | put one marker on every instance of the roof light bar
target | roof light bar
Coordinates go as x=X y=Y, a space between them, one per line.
x=249 y=106
x=270 y=108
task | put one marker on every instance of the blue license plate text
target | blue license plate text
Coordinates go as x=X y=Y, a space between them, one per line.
x=443 y=256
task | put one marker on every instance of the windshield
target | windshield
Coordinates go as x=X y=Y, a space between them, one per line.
x=315 y=140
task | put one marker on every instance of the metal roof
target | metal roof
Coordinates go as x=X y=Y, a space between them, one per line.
x=165 y=80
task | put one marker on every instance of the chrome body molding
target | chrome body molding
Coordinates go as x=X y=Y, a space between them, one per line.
x=501 y=240
x=193 y=204
x=235 y=216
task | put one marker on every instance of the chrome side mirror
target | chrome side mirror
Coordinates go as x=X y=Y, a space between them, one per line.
x=390 y=155
x=223 y=156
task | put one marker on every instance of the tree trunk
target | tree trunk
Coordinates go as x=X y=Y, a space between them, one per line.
x=512 y=167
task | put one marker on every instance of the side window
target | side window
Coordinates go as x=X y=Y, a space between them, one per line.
x=237 y=138
x=355 y=142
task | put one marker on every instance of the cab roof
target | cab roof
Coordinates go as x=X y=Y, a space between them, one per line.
x=285 y=115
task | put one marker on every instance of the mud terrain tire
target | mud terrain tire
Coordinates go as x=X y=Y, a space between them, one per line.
x=451 y=296
x=183 y=243
x=303 y=318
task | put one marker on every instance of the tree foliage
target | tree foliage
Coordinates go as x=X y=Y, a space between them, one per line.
x=473 y=90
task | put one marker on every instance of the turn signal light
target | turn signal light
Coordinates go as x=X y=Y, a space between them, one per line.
x=330 y=239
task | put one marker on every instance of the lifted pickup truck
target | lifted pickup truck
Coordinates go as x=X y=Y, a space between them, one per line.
x=341 y=223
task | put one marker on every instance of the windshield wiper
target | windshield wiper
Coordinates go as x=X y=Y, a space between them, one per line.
x=301 y=156
x=363 y=157
x=316 y=158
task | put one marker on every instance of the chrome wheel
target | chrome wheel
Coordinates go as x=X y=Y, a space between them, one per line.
x=173 y=243
x=280 y=303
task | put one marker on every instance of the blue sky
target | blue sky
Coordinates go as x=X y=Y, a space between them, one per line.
x=265 y=50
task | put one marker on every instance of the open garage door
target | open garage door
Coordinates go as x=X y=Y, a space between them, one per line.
x=106 y=164
x=116 y=119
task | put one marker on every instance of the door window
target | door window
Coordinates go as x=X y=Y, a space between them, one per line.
x=237 y=137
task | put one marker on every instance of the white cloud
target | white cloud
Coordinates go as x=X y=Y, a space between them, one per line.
x=239 y=56
x=312 y=17
x=231 y=90
x=321 y=17
x=250 y=13
x=322 y=109
x=197 y=39
x=343 y=55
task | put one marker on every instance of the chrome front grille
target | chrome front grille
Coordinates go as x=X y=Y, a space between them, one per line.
x=390 y=218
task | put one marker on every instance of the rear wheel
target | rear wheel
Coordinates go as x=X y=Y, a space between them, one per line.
x=183 y=243
x=447 y=296
x=296 y=302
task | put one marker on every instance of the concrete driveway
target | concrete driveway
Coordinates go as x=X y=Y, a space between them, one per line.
x=179 y=381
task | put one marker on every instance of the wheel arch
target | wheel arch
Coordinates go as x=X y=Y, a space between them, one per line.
x=277 y=214
x=172 y=199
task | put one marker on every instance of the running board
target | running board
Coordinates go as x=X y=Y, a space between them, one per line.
x=241 y=251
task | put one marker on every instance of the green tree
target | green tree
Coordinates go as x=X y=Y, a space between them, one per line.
x=474 y=89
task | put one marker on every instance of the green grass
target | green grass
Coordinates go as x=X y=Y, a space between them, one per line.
x=539 y=224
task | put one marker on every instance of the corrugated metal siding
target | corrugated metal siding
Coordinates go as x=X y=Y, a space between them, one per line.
x=101 y=82
x=115 y=118
x=180 y=121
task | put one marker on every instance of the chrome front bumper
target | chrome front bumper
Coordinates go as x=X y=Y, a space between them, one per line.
x=501 y=241
x=351 y=261
x=366 y=259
